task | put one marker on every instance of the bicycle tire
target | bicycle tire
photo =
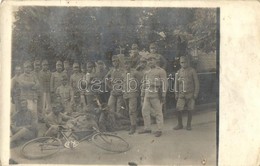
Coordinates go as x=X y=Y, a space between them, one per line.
x=110 y=142
x=42 y=147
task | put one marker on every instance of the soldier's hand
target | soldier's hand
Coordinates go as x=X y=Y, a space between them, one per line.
x=176 y=96
x=163 y=100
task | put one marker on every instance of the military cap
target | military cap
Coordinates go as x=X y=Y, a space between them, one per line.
x=66 y=61
x=37 y=62
x=27 y=63
x=45 y=62
x=184 y=58
x=59 y=63
x=100 y=62
x=90 y=63
x=134 y=46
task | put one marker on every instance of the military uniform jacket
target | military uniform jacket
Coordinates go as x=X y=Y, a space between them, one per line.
x=74 y=80
x=56 y=80
x=131 y=84
x=187 y=81
x=155 y=83
x=26 y=82
x=116 y=77
x=65 y=92
x=45 y=80
x=24 y=119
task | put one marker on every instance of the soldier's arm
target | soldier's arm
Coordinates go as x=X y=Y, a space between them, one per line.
x=164 y=82
x=176 y=85
x=196 y=83
x=52 y=83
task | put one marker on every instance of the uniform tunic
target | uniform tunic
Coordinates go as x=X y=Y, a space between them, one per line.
x=155 y=86
x=187 y=87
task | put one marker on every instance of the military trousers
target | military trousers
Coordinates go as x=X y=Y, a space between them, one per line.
x=152 y=106
x=131 y=104
x=115 y=102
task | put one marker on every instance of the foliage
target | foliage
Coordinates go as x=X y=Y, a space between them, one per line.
x=81 y=34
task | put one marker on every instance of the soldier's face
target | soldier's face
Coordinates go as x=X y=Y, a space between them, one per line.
x=183 y=63
x=76 y=69
x=45 y=67
x=27 y=69
x=37 y=66
x=151 y=62
x=152 y=50
x=64 y=81
x=115 y=63
x=23 y=105
x=18 y=71
x=128 y=65
x=59 y=68
x=89 y=68
x=134 y=51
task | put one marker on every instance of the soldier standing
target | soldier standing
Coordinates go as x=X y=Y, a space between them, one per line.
x=65 y=91
x=115 y=77
x=153 y=96
x=56 y=78
x=44 y=79
x=187 y=90
x=67 y=69
x=131 y=86
x=29 y=85
x=75 y=77
x=135 y=56
x=15 y=89
x=161 y=61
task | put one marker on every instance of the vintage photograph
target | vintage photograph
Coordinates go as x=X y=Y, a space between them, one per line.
x=114 y=85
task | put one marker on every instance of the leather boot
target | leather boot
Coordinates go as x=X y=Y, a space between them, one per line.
x=188 y=127
x=132 y=130
x=180 y=125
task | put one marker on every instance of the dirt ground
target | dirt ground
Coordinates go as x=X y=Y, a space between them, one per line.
x=195 y=147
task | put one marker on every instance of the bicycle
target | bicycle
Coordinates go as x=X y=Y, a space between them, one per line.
x=42 y=147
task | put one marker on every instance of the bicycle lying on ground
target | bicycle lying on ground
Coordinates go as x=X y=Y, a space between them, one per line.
x=47 y=146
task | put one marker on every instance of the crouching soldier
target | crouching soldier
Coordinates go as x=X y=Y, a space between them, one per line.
x=55 y=119
x=187 y=89
x=23 y=124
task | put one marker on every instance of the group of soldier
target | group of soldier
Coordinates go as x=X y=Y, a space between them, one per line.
x=91 y=95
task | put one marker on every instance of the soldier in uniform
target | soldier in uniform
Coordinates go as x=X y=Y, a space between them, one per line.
x=65 y=91
x=75 y=77
x=89 y=80
x=56 y=78
x=115 y=81
x=153 y=96
x=44 y=79
x=36 y=72
x=131 y=87
x=161 y=61
x=135 y=56
x=15 y=89
x=23 y=124
x=186 y=91
x=29 y=85
x=78 y=106
x=67 y=69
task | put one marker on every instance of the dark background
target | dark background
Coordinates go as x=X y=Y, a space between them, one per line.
x=93 y=33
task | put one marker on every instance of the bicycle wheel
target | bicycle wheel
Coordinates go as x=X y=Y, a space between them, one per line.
x=41 y=147
x=110 y=142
